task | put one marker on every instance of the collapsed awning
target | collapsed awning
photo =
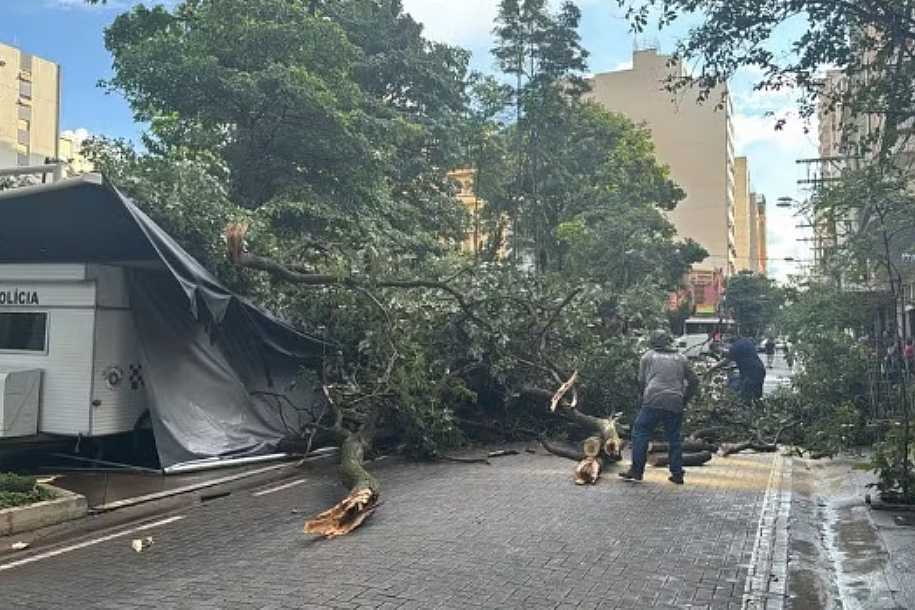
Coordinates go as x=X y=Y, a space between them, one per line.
x=222 y=373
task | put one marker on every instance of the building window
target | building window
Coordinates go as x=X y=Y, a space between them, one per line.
x=23 y=332
x=22 y=136
x=25 y=113
x=22 y=159
x=25 y=89
x=25 y=62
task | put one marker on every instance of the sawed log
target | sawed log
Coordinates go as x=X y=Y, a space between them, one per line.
x=364 y=491
x=689 y=459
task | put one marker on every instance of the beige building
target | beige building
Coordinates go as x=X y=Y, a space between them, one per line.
x=29 y=108
x=749 y=221
x=758 y=203
x=70 y=152
x=475 y=240
x=695 y=140
x=744 y=219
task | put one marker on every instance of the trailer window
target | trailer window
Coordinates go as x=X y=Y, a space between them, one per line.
x=23 y=332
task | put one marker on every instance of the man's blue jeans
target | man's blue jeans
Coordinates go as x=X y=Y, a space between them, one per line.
x=645 y=424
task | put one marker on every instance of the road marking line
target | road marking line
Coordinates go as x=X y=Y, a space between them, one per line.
x=770 y=547
x=187 y=488
x=87 y=543
x=264 y=492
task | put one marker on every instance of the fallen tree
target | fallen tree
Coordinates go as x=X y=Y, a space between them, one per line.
x=433 y=364
x=364 y=491
x=603 y=447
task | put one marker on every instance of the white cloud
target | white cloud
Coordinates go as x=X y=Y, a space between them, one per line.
x=795 y=136
x=462 y=22
x=465 y=22
x=82 y=4
x=774 y=173
x=77 y=135
x=111 y=5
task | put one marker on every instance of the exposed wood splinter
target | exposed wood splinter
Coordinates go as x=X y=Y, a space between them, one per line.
x=345 y=516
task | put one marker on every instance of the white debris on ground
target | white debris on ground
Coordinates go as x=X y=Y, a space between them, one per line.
x=141 y=544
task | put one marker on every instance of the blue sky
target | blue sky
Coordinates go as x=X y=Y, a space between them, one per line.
x=71 y=34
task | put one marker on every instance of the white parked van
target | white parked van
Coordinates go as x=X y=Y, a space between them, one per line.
x=697 y=335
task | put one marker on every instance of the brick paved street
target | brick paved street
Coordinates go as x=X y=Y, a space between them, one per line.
x=518 y=533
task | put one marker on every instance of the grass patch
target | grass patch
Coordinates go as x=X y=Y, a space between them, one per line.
x=16 y=490
x=862 y=466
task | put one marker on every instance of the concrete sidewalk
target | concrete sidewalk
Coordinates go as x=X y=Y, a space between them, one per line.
x=517 y=533
x=842 y=551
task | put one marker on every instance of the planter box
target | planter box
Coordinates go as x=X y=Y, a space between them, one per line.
x=65 y=506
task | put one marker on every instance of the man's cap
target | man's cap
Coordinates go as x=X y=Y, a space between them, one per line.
x=661 y=338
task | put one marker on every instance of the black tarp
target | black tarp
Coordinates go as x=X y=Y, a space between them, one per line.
x=220 y=372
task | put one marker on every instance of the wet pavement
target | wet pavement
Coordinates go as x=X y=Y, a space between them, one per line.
x=515 y=534
x=107 y=486
x=777 y=376
x=843 y=553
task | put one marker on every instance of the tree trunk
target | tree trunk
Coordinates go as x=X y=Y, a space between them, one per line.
x=689 y=459
x=364 y=492
x=563 y=450
x=604 y=427
x=591 y=461
x=727 y=450
x=689 y=446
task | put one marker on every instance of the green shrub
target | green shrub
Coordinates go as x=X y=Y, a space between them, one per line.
x=15 y=483
x=10 y=499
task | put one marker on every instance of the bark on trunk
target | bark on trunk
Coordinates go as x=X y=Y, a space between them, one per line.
x=689 y=446
x=362 y=500
x=605 y=428
x=727 y=450
x=689 y=459
x=563 y=450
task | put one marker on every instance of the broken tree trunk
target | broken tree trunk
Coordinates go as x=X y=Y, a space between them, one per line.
x=689 y=446
x=590 y=460
x=731 y=449
x=563 y=450
x=362 y=500
x=603 y=447
x=697 y=458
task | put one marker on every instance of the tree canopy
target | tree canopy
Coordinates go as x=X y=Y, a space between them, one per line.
x=754 y=302
x=320 y=134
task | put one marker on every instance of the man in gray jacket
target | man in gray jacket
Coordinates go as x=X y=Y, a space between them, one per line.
x=666 y=384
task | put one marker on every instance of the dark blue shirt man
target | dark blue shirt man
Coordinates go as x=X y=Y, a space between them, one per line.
x=742 y=352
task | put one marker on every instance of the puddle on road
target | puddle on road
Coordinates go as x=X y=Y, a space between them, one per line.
x=858 y=556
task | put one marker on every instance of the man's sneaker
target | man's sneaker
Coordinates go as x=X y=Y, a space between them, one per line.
x=630 y=476
x=676 y=479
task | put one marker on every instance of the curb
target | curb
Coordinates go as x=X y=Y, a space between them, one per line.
x=64 y=506
x=144 y=510
x=766 y=587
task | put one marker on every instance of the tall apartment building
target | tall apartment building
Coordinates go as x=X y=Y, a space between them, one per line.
x=758 y=204
x=749 y=221
x=70 y=151
x=29 y=108
x=695 y=140
x=744 y=224
x=476 y=240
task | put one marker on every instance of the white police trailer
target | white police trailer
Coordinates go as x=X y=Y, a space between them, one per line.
x=69 y=362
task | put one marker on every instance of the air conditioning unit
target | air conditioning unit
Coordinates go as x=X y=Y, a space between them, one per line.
x=19 y=398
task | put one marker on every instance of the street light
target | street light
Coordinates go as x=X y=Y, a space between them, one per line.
x=786 y=202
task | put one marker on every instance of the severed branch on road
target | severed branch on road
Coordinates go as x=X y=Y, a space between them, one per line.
x=697 y=458
x=759 y=444
x=364 y=489
x=690 y=445
x=604 y=447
